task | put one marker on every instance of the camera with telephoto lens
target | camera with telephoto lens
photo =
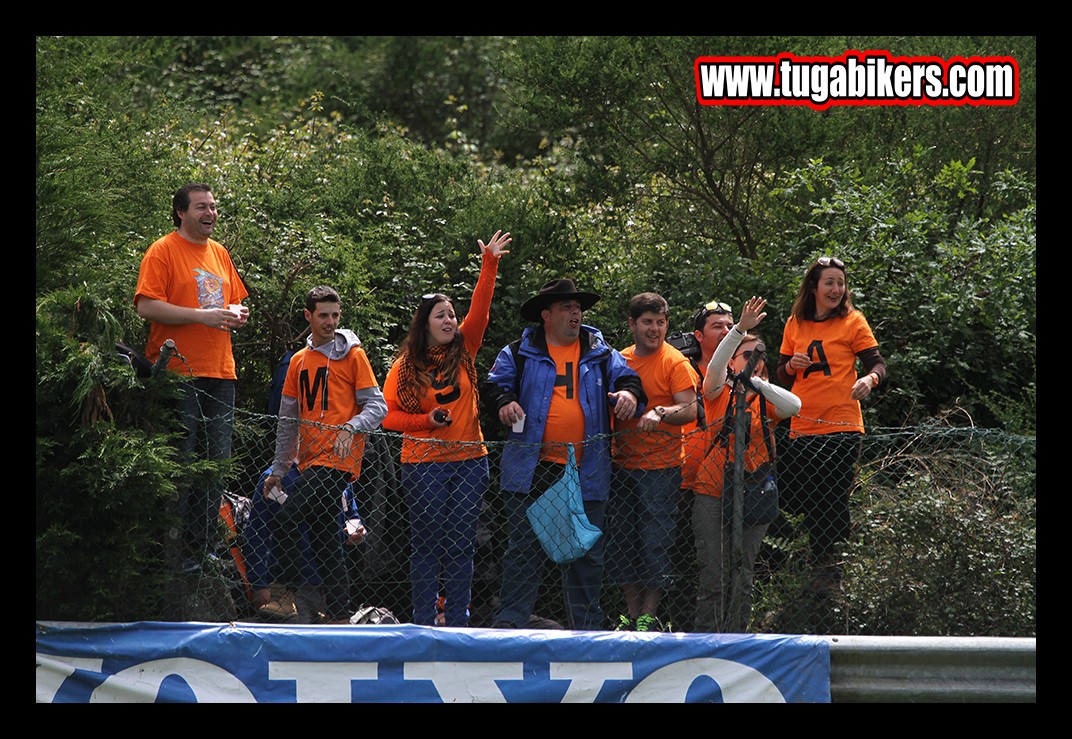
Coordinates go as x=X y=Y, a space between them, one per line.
x=686 y=343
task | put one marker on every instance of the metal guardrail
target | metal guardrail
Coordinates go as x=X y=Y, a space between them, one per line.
x=925 y=669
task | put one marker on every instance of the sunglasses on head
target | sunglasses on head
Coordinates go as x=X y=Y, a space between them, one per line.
x=830 y=261
x=714 y=308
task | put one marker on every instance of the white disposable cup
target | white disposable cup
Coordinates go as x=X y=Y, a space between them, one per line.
x=277 y=495
x=352 y=526
x=235 y=308
x=519 y=424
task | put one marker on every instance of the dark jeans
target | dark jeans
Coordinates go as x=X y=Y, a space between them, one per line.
x=524 y=561
x=816 y=472
x=207 y=412
x=312 y=508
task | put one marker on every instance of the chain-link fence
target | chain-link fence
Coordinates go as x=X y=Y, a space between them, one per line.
x=922 y=531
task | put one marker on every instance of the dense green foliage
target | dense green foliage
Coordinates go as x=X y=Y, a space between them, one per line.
x=374 y=164
x=916 y=564
x=943 y=545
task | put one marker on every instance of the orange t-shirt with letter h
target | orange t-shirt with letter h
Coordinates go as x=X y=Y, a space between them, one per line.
x=565 y=416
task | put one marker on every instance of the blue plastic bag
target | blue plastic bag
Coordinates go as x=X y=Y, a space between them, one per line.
x=559 y=520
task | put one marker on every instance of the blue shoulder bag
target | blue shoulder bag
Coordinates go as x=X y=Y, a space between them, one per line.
x=559 y=520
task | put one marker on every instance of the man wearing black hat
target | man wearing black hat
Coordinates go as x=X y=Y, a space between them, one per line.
x=557 y=385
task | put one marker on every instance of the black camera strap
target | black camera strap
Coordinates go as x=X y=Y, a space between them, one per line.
x=729 y=420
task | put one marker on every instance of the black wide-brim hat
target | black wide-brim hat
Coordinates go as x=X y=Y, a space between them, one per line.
x=552 y=292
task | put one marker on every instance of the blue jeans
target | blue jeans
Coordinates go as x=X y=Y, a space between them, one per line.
x=443 y=500
x=641 y=526
x=524 y=562
x=207 y=412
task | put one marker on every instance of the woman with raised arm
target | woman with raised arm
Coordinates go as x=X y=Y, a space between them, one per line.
x=724 y=589
x=431 y=394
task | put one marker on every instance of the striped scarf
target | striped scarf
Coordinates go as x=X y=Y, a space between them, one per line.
x=412 y=379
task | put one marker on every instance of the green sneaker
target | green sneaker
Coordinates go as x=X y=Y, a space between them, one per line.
x=625 y=624
x=645 y=622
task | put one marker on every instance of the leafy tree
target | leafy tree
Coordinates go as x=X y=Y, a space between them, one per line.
x=104 y=466
x=929 y=277
x=629 y=106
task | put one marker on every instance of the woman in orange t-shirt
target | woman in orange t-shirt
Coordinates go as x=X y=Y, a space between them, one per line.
x=823 y=339
x=431 y=394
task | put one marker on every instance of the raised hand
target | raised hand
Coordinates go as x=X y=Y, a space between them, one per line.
x=496 y=246
x=752 y=313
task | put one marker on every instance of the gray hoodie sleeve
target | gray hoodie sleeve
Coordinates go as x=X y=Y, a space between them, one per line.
x=286 y=436
x=373 y=409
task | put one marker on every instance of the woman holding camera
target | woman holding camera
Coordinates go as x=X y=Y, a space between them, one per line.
x=431 y=394
x=725 y=583
x=823 y=339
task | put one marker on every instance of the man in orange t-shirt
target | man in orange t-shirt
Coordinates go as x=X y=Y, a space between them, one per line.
x=710 y=324
x=331 y=399
x=648 y=452
x=190 y=292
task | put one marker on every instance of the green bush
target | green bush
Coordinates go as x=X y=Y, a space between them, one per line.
x=942 y=543
x=949 y=548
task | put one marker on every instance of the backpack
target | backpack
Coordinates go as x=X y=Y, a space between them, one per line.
x=760 y=486
x=373 y=615
x=234 y=515
x=279 y=378
x=142 y=367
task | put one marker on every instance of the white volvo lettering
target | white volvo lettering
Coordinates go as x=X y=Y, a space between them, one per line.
x=52 y=671
x=141 y=683
x=323 y=682
x=739 y=683
x=587 y=678
x=465 y=682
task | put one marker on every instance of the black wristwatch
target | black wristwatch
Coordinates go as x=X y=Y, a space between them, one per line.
x=660 y=411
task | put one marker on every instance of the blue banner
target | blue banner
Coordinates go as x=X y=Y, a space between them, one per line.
x=253 y=663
